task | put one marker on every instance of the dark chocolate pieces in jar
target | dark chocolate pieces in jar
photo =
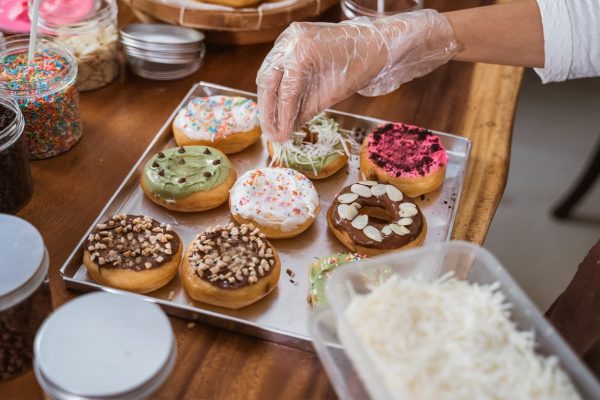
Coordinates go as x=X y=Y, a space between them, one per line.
x=15 y=174
x=24 y=294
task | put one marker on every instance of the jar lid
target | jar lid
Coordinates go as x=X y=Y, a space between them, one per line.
x=104 y=345
x=22 y=256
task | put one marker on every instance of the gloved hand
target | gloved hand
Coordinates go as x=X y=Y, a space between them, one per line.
x=313 y=66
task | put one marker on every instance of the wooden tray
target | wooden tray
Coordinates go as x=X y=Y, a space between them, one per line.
x=282 y=316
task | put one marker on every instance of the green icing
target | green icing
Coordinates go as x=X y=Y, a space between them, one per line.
x=173 y=174
x=319 y=275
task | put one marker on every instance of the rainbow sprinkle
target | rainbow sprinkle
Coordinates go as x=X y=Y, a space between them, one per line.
x=48 y=99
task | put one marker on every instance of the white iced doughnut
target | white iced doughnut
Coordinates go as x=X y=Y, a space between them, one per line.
x=281 y=202
x=227 y=123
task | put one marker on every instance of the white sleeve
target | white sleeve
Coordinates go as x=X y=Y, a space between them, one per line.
x=571 y=39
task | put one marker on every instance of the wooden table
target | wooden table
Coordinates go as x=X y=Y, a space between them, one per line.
x=474 y=100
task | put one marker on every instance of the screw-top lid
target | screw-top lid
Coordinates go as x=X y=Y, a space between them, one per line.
x=22 y=260
x=104 y=345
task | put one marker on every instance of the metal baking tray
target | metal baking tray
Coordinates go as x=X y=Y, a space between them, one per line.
x=282 y=316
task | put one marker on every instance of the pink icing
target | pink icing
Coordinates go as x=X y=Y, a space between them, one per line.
x=406 y=150
x=14 y=14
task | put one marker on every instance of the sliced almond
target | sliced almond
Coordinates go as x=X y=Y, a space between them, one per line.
x=360 y=222
x=368 y=183
x=347 y=198
x=372 y=233
x=394 y=193
x=361 y=190
x=351 y=212
x=408 y=212
x=407 y=206
x=386 y=230
x=342 y=209
x=378 y=190
x=399 y=230
x=356 y=205
x=405 y=221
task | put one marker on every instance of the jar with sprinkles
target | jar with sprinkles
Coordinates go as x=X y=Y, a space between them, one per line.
x=89 y=28
x=45 y=91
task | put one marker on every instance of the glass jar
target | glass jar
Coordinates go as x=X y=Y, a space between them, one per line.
x=15 y=174
x=378 y=8
x=104 y=346
x=24 y=293
x=45 y=91
x=90 y=30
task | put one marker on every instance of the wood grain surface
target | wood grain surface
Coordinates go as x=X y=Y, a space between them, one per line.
x=473 y=100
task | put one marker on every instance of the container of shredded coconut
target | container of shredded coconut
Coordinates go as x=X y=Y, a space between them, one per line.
x=90 y=30
x=441 y=322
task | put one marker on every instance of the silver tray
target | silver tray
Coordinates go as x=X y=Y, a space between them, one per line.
x=283 y=315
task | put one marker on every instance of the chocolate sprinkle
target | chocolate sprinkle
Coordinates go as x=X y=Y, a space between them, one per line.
x=181 y=150
x=207 y=174
x=207 y=151
x=161 y=154
x=181 y=180
x=155 y=164
x=161 y=172
x=180 y=161
x=216 y=162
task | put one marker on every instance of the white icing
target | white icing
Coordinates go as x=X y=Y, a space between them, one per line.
x=208 y=118
x=274 y=196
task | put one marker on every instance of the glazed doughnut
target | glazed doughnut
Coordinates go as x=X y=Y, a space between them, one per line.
x=372 y=218
x=190 y=178
x=321 y=269
x=229 y=124
x=411 y=158
x=281 y=202
x=321 y=152
x=230 y=266
x=132 y=252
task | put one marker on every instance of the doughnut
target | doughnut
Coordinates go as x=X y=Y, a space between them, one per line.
x=320 y=152
x=132 y=252
x=372 y=218
x=230 y=266
x=281 y=202
x=188 y=178
x=321 y=269
x=229 y=124
x=411 y=158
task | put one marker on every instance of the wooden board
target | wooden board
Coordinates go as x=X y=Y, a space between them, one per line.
x=119 y=121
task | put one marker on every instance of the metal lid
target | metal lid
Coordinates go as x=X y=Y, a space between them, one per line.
x=23 y=265
x=104 y=345
x=164 y=34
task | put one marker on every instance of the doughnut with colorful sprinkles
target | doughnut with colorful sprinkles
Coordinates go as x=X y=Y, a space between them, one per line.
x=281 y=202
x=229 y=124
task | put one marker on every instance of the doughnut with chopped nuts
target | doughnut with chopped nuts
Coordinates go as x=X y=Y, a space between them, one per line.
x=230 y=266
x=132 y=252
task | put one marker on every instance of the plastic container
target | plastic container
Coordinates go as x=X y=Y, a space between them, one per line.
x=378 y=8
x=104 y=346
x=468 y=262
x=45 y=92
x=24 y=293
x=15 y=175
x=92 y=35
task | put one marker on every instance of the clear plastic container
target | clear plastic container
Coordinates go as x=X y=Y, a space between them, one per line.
x=45 y=91
x=24 y=293
x=92 y=35
x=468 y=262
x=15 y=175
x=378 y=8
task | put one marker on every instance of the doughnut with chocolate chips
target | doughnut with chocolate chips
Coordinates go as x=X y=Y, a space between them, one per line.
x=189 y=178
x=372 y=218
x=132 y=252
x=230 y=266
x=409 y=157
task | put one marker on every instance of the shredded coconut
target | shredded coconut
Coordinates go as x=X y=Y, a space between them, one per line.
x=451 y=339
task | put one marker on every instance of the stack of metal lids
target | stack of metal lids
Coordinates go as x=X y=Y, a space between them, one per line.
x=162 y=52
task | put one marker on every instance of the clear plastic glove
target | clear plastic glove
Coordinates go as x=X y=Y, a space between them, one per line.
x=313 y=66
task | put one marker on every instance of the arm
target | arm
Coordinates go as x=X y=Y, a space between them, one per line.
x=501 y=34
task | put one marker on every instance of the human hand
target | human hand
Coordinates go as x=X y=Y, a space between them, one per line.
x=313 y=66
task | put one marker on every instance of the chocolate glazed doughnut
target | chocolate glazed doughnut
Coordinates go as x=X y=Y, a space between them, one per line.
x=371 y=218
x=132 y=252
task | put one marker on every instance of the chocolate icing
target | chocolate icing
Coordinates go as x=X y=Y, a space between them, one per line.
x=389 y=242
x=132 y=242
x=222 y=252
